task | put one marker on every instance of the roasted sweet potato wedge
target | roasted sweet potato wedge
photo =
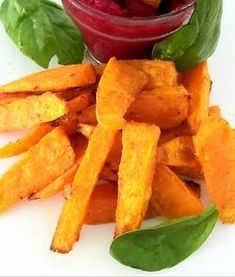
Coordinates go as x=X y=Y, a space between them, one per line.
x=161 y=73
x=198 y=83
x=31 y=111
x=135 y=175
x=26 y=142
x=166 y=107
x=58 y=185
x=215 y=147
x=86 y=130
x=179 y=153
x=117 y=89
x=169 y=134
x=103 y=203
x=6 y=98
x=54 y=80
x=74 y=210
x=80 y=102
x=88 y=116
x=39 y=166
x=171 y=196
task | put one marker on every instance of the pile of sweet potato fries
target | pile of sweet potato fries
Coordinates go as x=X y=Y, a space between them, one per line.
x=120 y=141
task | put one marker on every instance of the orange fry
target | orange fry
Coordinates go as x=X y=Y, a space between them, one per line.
x=154 y=3
x=67 y=177
x=6 y=98
x=198 y=83
x=31 y=111
x=39 y=166
x=215 y=147
x=166 y=107
x=74 y=210
x=80 y=102
x=117 y=89
x=171 y=196
x=103 y=203
x=54 y=80
x=26 y=142
x=88 y=116
x=179 y=153
x=135 y=175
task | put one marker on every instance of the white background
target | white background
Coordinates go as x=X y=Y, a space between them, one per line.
x=26 y=230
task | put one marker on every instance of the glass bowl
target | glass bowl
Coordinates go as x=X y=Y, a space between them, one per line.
x=125 y=38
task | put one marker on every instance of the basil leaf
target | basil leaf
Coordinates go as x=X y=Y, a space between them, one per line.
x=165 y=245
x=195 y=42
x=41 y=29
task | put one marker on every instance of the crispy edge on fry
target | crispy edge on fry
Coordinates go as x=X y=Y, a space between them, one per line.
x=117 y=89
x=198 y=83
x=39 y=166
x=179 y=153
x=167 y=107
x=6 y=98
x=26 y=142
x=31 y=111
x=54 y=80
x=74 y=210
x=171 y=196
x=135 y=174
x=215 y=147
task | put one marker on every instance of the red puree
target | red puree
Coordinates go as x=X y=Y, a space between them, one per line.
x=126 y=28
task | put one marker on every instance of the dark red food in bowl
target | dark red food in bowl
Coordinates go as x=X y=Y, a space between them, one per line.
x=108 y=35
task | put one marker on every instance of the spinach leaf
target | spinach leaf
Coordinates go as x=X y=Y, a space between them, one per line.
x=41 y=29
x=165 y=245
x=196 y=41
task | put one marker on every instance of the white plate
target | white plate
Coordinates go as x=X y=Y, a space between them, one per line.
x=26 y=230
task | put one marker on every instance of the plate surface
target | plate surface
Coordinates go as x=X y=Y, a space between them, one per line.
x=26 y=230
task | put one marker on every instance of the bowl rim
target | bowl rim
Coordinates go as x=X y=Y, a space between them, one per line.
x=125 y=20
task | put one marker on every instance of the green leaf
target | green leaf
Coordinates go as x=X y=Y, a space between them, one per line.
x=41 y=29
x=164 y=245
x=195 y=42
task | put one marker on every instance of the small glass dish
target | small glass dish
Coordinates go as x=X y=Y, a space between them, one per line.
x=125 y=38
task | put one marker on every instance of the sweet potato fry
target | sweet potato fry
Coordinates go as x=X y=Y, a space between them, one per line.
x=80 y=102
x=54 y=80
x=154 y=3
x=215 y=147
x=103 y=203
x=88 y=116
x=44 y=162
x=135 y=174
x=169 y=134
x=117 y=89
x=179 y=153
x=171 y=196
x=31 y=111
x=26 y=142
x=6 y=98
x=161 y=73
x=166 y=107
x=198 y=83
x=58 y=185
x=69 y=123
x=74 y=211
x=109 y=174
x=215 y=111
x=86 y=130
